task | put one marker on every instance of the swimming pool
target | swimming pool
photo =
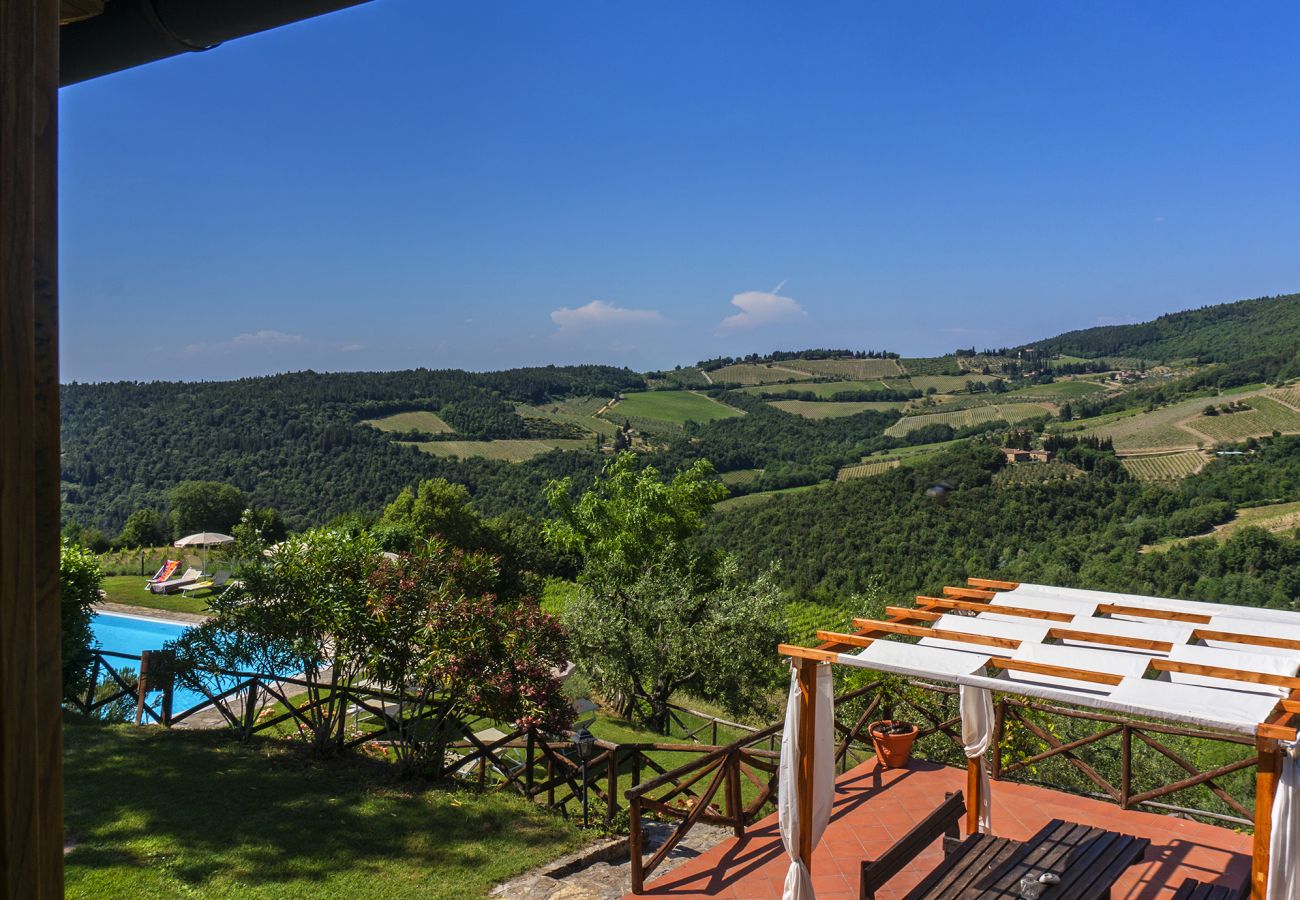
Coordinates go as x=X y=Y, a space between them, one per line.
x=133 y=634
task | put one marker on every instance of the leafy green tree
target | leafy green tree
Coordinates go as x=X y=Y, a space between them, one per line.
x=437 y=507
x=654 y=614
x=79 y=581
x=205 y=506
x=303 y=607
x=143 y=528
x=441 y=637
x=86 y=536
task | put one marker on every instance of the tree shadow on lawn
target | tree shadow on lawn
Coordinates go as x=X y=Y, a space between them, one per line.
x=206 y=807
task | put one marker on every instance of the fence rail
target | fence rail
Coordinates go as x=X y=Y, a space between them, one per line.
x=695 y=776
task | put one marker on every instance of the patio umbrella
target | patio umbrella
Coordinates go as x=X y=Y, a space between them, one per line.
x=205 y=539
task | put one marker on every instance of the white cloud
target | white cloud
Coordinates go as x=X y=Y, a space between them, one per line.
x=247 y=340
x=598 y=314
x=758 y=308
x=264 y=337
x=350 y=348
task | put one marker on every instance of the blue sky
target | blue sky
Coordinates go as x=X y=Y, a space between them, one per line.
x=484 y=185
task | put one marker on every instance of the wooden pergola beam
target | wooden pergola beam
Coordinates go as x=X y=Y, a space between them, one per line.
x=992 y=584
x=1268 y=734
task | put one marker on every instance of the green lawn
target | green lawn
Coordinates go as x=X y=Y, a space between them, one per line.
x=194 y=814
x=129 y=589
x=670 y=406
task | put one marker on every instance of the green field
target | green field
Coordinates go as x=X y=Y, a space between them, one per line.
x=1154 y=430
x=1163 y=466
x=928 y=365
x=677 y=407
x=756 y=373
x=418 y=420
x=847 y=368
x=741 y=476
x=946 y=383
x=763 y=496
x=1184 y=425
x=510 y=451
x=825 y=409
x=1011 y=413
x=1288 y=395
x=1057 y=390
x=1264 y=417
x=867 y=469
x=579 y=411
x=691 y=377
x=823 y=389
x=1275 y=517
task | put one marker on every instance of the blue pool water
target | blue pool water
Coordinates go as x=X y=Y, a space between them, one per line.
x=130 y=635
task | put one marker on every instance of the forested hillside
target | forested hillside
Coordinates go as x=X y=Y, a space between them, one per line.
x=293 y=441
x=1087 y=531
x=1222 y=333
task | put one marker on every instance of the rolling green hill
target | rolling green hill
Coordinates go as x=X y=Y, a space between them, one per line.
x=1222 y=333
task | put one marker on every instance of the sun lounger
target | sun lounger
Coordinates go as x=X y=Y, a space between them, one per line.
x=216 y=581
x=191 y=577
x=165 y=571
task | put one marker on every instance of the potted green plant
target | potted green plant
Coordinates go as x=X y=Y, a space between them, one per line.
x=893 y=741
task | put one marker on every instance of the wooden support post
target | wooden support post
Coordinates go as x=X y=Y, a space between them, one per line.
x=1270 y=765
x=142 y=684
x=31 y=751
x=735 y=806
x=635 y=840
x=974 y=796
x=1125 y=766
x=807 y=670
x=529 y=751
x=611 y=787
x=999 y=726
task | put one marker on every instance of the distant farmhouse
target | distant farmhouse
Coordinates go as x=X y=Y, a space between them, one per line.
x=1018 y=456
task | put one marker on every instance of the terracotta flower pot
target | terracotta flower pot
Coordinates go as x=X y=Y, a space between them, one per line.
x=893 y=744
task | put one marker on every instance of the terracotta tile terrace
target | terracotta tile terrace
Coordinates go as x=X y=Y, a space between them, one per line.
x=875 y=806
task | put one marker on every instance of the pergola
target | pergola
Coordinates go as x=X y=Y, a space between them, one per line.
x=1224 y=668
x=45 y=44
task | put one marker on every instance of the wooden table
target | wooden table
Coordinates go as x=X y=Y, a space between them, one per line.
x=1087 y=860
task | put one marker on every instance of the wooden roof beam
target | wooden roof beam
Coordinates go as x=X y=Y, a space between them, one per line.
x=993 y=584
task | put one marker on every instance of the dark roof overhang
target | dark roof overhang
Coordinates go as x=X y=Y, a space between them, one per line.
x=131 y=33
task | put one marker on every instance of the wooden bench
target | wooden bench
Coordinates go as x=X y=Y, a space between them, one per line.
x=1191 y=889
x=942 y=822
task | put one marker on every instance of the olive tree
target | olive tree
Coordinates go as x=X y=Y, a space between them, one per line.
x=654 y=613
x=300 y=608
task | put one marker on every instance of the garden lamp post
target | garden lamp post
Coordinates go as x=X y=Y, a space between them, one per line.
x=584 y=741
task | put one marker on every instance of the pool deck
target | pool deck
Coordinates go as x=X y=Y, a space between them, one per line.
x=146 y=612
x=875 y=807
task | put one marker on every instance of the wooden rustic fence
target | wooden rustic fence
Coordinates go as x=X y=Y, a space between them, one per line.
x=693 y=777
x=1059 y=747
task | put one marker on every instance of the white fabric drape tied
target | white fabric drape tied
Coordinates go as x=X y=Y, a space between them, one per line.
x=976 y=736
x=798 y=880
x=1284 y=840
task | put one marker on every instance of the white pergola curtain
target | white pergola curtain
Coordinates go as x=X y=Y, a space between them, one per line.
x=798 y=880
x=1284 y=841
x=977 y=735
